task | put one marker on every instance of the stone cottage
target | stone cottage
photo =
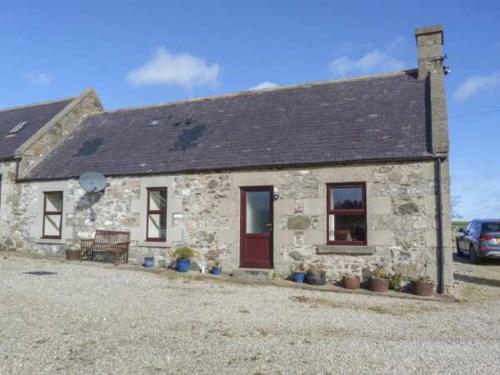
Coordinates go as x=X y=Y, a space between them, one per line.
x=28 y=134
x=351 y=173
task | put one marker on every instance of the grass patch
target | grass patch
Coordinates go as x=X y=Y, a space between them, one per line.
x=411 y=308
x=456 y=225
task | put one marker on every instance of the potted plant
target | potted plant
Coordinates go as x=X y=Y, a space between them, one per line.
x=423 y=286
x=299 y=273
x=351 y=282
x=214 y=257
x=148 y=262
x=183 y=257
x=379 y=281
x=316 y=275
x=216 y=268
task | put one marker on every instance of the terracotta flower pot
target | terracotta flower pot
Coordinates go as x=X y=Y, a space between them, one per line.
x=378 y=285
x=351 y=282
x=73 y=254
x=422 y=287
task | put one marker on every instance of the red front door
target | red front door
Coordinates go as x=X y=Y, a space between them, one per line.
x=256 y=242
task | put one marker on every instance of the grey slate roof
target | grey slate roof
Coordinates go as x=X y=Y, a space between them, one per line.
x=380 y=117
x=37 y=115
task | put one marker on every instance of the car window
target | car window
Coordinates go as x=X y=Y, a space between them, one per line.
x=471 y=227
x=491 y=227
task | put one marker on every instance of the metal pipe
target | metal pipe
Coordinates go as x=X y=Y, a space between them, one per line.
x=440 y=224
x=18 y=161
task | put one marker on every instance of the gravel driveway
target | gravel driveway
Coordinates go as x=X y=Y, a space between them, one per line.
x=98 y=319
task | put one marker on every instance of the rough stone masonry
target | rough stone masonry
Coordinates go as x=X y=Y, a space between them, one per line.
x=203 y=212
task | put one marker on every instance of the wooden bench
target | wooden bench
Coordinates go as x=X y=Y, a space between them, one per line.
x=107 y=241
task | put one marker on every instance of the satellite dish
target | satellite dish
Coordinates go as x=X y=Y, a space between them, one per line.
x=92 y=182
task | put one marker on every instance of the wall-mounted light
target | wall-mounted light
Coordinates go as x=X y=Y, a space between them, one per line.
x=276 y=195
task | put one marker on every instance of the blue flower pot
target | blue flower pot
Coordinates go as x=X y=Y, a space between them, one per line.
x=183 y=265
x=149 y=262
x=299 y=277
x=216 y=270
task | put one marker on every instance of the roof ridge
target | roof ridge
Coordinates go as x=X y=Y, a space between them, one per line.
x=261 y=91
x=47 y=102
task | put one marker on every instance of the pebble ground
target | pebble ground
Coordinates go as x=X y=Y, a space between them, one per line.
x=98 y=319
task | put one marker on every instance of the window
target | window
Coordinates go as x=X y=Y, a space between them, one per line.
x=488 y=227
x=52 y=214
x=156 y=224
x=346 y=214
x=258 y=212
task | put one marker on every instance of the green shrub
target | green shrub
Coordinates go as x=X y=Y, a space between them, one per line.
x=316 y=270
x=395 y=282
x=183 y=253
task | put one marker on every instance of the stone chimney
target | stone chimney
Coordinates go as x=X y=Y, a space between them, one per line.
x=430 y=68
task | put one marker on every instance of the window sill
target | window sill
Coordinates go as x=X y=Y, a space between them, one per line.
x=157 y=244
x=50 y=241
x=346 y=249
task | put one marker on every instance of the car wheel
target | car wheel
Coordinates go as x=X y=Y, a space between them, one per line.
x=472 y=255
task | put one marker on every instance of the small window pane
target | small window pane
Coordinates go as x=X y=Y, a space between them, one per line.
x=258 y=211
x=53 y=202
x=346 y=228
x=157 y=200
x=156 y=227
x=52 y=225
x=346 y=198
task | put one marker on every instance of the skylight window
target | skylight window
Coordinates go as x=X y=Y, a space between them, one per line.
x=154 y=123
x=18 y=127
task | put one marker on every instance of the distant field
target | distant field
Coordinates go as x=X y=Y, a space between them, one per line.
x=456 y=225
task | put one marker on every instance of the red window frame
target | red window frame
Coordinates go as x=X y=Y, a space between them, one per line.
x=52 y=213
x=345 y=212
x=162 y=212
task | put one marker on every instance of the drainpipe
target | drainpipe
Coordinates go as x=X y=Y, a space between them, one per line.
x=440 y=224
x=17 y=158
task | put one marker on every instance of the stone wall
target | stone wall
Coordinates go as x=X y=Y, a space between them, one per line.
x=8 y=202
x=203 y=212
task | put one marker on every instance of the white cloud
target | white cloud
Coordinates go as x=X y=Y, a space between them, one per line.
x=395 y=43
x=181 y=69
x=39 y=79
x=372 y=62
x=264 y=85
x=475 y=84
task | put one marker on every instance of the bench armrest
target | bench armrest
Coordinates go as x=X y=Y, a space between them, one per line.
x=86 y=244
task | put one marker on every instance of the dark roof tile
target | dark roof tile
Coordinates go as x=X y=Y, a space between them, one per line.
x=381 y=117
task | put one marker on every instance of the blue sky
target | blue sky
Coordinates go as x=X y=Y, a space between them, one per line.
x=143 y=52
